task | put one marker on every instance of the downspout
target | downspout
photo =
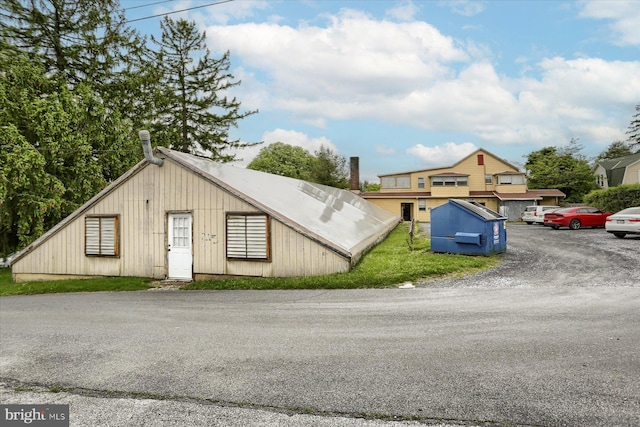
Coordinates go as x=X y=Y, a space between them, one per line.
x=145 y=139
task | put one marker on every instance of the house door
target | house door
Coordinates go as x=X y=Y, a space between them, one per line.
x=179 y=246
x=407 y=211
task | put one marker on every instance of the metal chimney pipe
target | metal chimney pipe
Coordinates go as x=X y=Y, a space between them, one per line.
x=145 y=139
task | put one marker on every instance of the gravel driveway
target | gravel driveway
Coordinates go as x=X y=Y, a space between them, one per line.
x=550 y=337
x=539 y=256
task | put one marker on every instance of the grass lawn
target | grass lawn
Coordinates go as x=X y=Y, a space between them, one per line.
x=7 y=287
x=390 y=263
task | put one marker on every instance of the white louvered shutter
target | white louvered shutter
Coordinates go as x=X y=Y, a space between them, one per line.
x=257 y=236
x=92 y=236
x=247 y=236
x=108 y=236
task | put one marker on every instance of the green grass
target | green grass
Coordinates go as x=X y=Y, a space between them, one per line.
x=114 y=284
x=390 y=263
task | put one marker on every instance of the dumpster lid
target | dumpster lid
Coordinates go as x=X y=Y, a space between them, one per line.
x=478 y=209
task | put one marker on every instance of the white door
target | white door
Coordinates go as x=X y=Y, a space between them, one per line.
x=179 y=247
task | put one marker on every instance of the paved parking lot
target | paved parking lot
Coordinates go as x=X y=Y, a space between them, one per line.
x=548 y=338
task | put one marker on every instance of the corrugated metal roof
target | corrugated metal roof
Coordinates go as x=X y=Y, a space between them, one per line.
x=330 y=215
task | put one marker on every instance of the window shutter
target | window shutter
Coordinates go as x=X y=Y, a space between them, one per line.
x=92 y=236
x=236 y=242
x=107 y=236
x=247 y=236
x=257 y=236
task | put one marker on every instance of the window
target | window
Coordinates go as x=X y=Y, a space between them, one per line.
x=488 y=179
x=449 y=181
x=248 y=236
x=480 y=159
x=396 y=181
x=420 y=182
x=510 y=179
x=101 y=235
x=422 y=205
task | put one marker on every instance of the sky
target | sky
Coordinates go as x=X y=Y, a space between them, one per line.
x=411 y=85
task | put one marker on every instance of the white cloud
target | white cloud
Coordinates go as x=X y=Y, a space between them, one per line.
x=410 y=74
x=623 y=17
x=384 y=150
x=406 y=11
x=465 y=7
x=443 y=155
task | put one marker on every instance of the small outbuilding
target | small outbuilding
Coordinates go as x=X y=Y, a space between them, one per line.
x=183 y=217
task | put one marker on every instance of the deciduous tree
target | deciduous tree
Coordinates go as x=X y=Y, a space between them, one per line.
x=562 y=168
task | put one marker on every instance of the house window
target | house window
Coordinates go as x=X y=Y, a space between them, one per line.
x=488 y=179
x=449 y=181
x=480 y=159
x=510 y=179
x=101 y=235
x=422 y=205
x=248 y=236
x=420 y=182
x=394 y=182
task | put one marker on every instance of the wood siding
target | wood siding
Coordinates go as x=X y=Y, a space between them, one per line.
x=142 y=202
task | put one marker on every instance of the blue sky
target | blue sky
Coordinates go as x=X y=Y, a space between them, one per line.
x=407 y=85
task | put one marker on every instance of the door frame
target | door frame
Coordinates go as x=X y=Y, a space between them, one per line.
x=168 y=225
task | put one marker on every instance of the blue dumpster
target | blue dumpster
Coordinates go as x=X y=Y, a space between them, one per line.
x=464 y=227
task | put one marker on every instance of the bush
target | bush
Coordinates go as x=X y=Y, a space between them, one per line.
x=614 y=199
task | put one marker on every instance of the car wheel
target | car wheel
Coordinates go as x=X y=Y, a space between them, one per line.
x=575 y=224
x=555 y=227
x=528 y=222
x=620 y=235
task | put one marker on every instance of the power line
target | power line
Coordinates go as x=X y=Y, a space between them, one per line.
x=148 y=4
x=178 y=11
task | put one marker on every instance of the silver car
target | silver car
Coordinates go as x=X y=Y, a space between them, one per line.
x=627 y=221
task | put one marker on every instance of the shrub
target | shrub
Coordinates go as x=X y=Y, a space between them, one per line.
x=614 y=199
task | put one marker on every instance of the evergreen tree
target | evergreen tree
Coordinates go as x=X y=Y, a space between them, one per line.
x=615 y=150
x=330 y=169
x=193 y=113
x=634 y=131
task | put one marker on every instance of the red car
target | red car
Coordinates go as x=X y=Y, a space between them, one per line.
x=576 y=218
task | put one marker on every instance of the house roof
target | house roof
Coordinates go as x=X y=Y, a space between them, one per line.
x=336 y=218
x=454 y=165
x=617 y=167
x=529 y=195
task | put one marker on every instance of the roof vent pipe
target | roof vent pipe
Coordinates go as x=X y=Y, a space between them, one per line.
x=145 y=139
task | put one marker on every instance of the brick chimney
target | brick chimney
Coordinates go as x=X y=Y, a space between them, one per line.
x=354 y=177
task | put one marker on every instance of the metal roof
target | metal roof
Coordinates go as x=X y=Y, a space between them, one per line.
x=338 y=218
x=478 y=209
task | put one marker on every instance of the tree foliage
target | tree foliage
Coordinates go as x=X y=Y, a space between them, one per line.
x=193 y=115
x=330 y=168
x=615 y=150
x=562 y=168
x=284 y=159
x=615 y=199
x=325 y=167
x=634 y=130
x=76 y=84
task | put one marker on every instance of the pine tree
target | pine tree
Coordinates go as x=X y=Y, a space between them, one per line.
x=193 y=114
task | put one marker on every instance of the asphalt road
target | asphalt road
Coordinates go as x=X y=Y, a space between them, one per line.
x=549 y=338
